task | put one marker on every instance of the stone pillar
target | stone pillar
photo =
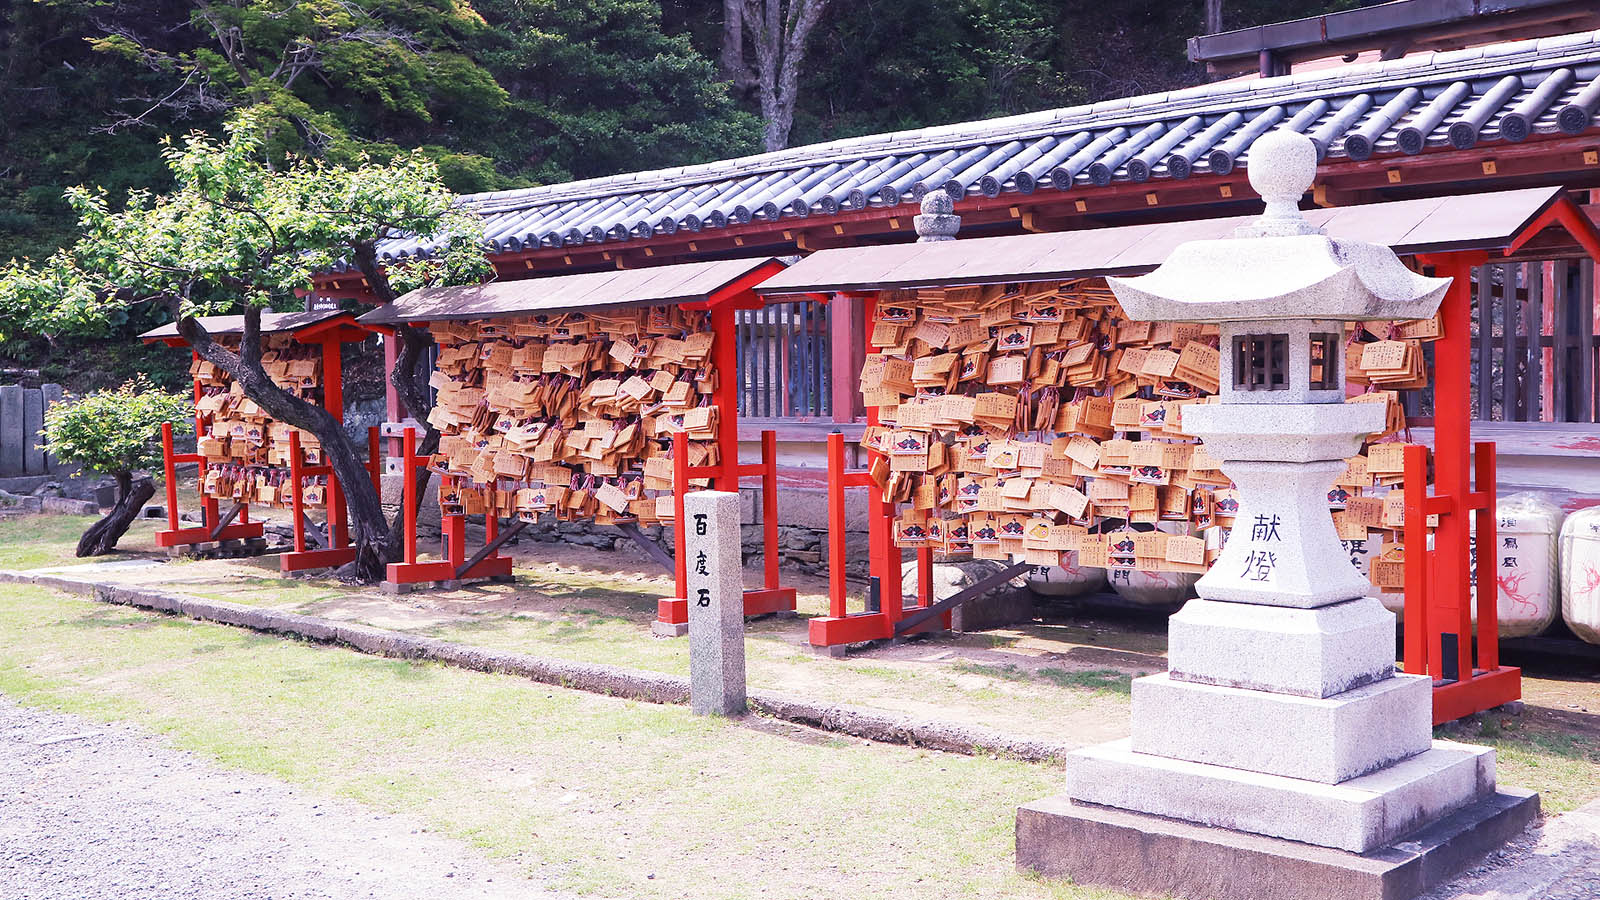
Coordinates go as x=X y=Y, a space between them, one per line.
x=52 y=395
x=13 y=435
x=32 y=424
x=716 y=603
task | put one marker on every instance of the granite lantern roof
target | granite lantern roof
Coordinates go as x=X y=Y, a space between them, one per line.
x=1496 y=94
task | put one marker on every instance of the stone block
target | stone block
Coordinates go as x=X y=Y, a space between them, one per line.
x=32 y=424
x=1144 y=854
x=1309 y=652
x=662 y=629
x=1330 y=740
x=716 y=603
x=13 y=433
x=1297 y=433
x=52 y=394
x=1359 y=815
x=1283 y=550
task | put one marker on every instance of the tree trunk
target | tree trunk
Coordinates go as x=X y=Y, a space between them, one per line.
x=369 y=532
x=732 y=62
x=1213 y=17
x=779 y=37
x=410 y=379
x=102 y=536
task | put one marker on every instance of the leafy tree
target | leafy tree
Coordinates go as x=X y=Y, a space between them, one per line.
x=597 y=87
x=114 y=433
x=237 y=235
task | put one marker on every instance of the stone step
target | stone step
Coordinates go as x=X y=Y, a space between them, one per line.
x=1310 y=652
x=1329 y=739
x=1358 y=815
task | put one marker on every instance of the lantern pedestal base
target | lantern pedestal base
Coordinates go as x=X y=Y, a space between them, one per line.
x=1357 y=815
x=1148 y=854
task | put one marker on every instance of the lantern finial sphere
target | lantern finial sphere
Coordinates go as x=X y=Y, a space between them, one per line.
x=1282 y=166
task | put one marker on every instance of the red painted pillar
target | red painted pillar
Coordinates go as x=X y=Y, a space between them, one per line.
x=408 y=491
x=725 y=363
x=1451 y=612
x=170 y=470
x=297 y=492
x=836 y=525
x=846 y=341
x=1417 y=631
x=884 y=556
x=680 y=486
x=769 y=506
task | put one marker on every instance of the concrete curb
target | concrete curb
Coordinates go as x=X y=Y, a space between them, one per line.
x=594 y=678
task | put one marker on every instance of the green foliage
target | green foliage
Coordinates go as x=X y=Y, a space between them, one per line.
x=596 y=87
x=236 y=232
x=115 y=431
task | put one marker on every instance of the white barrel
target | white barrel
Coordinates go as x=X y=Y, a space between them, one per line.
x=1066 y=580
x=1153 y=589
x=1526 y=528
x=1580 y=573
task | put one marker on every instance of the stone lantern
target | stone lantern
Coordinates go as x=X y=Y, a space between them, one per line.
x=1281 y=745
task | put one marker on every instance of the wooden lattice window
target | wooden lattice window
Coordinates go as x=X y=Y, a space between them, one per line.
x=1261 y=362
x=1325 y=362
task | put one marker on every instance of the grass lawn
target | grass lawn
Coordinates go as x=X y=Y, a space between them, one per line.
x=596 y=794
x=41 y=541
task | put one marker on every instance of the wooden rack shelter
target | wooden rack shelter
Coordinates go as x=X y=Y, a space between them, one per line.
x=574 y=395
x=1448 y=234
x=265 y=462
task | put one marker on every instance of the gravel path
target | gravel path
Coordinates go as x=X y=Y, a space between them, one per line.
x=92 y=811
x=1556 y=860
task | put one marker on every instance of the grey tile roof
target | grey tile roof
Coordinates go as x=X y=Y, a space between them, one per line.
x=659 y=285
x=1498 y=93
x=271 y=323
x=1487 y=221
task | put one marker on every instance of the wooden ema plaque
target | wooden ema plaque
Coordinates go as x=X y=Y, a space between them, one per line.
x=1005 y=413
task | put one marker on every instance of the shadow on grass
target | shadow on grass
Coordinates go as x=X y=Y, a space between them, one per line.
x=110 y=619
x=1100 y=681
x=575 y=624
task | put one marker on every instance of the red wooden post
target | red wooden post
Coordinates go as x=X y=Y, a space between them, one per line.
x=884 y=558
x=836 y=524
x=1416 y=557
x=924 y=576
x=725 y=357
x=1487 y=562
x=453 y=529
x=296 y=492
x=769 y=506
x=846 y=341
x=680 y=486
x=170 y=470
x=408 y=491
x=1452 y=450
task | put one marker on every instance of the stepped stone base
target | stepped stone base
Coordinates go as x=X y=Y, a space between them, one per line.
x=1148 y=854
x=1310 y=652
x=1328 y=739
x=1358 y=815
